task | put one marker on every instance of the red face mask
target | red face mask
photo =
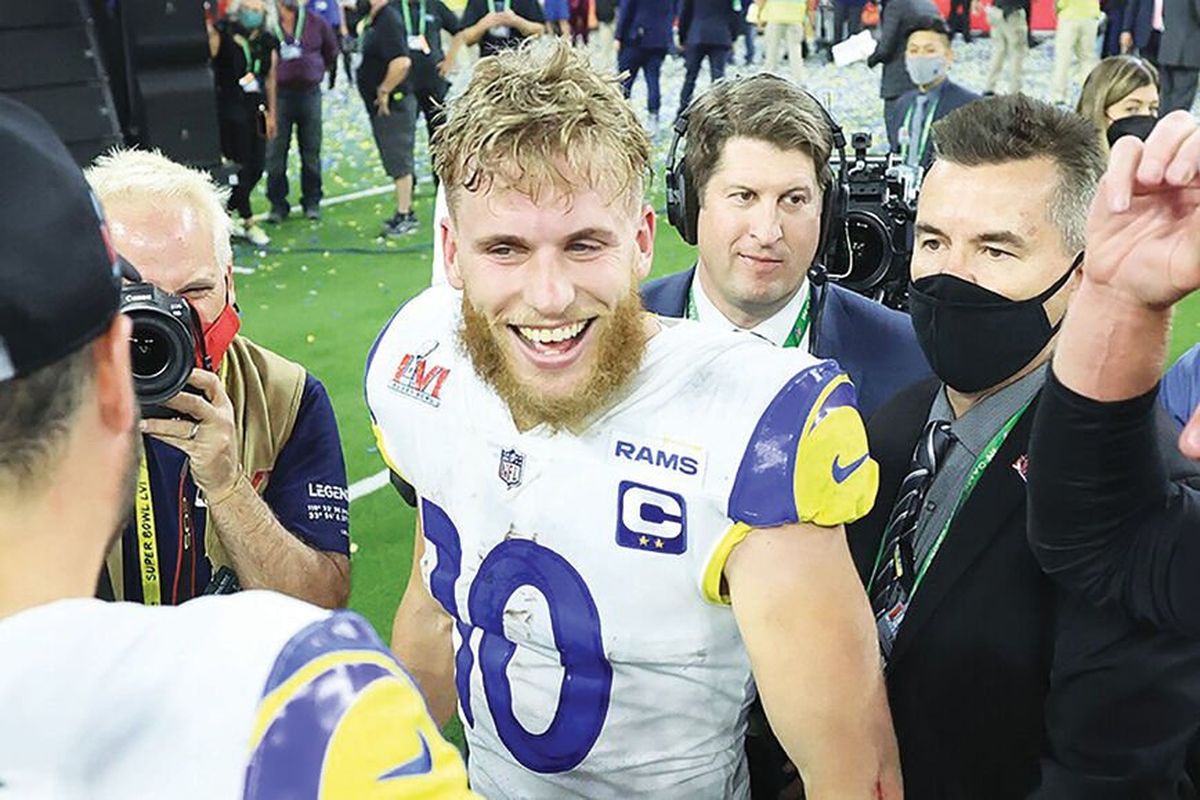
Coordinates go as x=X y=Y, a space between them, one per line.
x=218 y=335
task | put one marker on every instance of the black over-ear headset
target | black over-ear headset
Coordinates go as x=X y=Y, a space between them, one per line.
x=683 y=202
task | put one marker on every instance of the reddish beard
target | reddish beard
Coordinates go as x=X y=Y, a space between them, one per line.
x=617 y=358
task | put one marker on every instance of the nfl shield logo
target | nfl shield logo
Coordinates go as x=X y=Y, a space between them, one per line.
x=511 y=463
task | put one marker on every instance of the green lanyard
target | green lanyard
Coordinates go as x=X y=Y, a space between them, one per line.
x=976 y=472
x=923 y=141
x=408 y=26
x=252 y=64
x=798 y=329
x=299 y=32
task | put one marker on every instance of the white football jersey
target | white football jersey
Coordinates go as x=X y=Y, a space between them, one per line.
x=595 y=653
x=255 y=695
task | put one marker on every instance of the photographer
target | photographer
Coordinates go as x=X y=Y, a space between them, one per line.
x=758 y=201
x=248 y=472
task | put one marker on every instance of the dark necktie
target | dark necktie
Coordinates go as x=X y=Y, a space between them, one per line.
x=916 y=129
x=894 y=577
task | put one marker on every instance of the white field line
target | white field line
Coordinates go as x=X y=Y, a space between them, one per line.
x=370 y=485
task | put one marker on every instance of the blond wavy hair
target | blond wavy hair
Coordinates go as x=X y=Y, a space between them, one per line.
x=539 y=118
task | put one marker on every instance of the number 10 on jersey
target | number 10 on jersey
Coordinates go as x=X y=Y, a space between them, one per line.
x=583 y=697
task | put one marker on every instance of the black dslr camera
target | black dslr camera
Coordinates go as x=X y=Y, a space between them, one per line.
x=166 y=336
x=873 y=256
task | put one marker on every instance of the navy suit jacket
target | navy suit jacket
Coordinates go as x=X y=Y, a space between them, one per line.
x=875 y=345
x=952 y=96
x=708 y=22
x=1138 y=20
x=645 y=23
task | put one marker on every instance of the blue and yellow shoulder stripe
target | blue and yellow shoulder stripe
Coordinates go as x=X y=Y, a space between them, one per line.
x=807 y=458
x=340 y=718
x=806 y=461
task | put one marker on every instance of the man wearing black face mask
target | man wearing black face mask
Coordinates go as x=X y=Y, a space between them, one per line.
x=997 y=679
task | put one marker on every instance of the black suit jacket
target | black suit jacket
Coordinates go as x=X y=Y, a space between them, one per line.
x=874 y=344
x=1000 y=681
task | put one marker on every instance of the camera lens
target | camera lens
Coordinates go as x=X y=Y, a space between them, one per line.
x=151 y=353
x=862 y=259
x=162 y=346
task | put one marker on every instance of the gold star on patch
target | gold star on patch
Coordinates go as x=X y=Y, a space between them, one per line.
x=658 y=543
x=643 y=541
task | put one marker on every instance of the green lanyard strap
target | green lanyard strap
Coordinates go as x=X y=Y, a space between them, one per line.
x=794 y=338
x=923 y=140
x=973 y=476
x=408 y=26
x=252 y=64
x=299 y=32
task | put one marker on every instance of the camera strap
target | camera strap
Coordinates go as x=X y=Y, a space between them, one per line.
x=147 y=536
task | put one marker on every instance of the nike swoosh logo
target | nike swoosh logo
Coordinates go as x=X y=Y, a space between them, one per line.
x=421 y=765
x=840 y=473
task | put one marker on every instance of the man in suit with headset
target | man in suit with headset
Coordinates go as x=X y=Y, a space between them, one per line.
x=755 y=191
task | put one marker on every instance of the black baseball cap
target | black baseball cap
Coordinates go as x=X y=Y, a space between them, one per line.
x=59 y=275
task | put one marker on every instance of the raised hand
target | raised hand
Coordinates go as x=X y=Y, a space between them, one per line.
x=1143 y=235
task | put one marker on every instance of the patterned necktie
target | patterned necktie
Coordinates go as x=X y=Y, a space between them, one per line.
x=893 y=580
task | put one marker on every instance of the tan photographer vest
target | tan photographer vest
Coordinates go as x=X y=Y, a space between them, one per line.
x=265 y=390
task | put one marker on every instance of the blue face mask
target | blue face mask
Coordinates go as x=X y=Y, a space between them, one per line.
x=924 y=70
x=251 y=19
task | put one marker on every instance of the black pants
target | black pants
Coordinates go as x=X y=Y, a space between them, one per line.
x=1114 y=13
x=633 y=58
x=242 y=144
x=298 y=110
x=431 y=101
x=847 y=21
x=693 y=56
